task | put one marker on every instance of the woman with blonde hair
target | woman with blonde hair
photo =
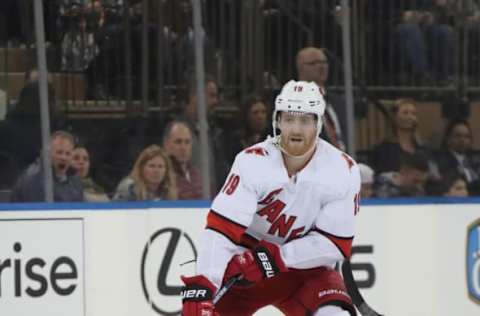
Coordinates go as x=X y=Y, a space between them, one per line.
x=152 y=178
x=403 y=140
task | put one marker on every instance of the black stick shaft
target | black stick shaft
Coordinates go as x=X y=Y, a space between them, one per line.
x=224 y=289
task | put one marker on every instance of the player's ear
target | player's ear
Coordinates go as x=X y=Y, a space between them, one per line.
x=279 y=120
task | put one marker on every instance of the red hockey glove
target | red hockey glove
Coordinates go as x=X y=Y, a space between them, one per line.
x=197 y=297
x=263 y=262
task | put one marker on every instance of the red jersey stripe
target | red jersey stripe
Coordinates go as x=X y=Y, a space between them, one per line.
x=233 y=231
x=248 y=241
x=344 y=244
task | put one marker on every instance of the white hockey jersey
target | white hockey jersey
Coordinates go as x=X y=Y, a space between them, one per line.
x=310 y=215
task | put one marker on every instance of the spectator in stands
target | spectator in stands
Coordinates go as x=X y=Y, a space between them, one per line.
x=106 y=57
x=424 y=34
x=67 y=185
x=409 y=181
x=468 y=16
x=32 y=75
x=220 y=153
x=78 y=44
x=180 y=29
x=456 y=185
x=313 y=65
x=170 y=50
x=366 y=178
x=452 y=184
x=255 y=118
x=81 y=163
x=457 y=153
x=151 y=178
x=280 y=17
x=402 y=141
x=212 y=98
x=20 y=133
x=177 y=141
x=414 y=37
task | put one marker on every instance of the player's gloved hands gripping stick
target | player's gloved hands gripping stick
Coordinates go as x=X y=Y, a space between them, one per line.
x=255 y=265
x=248 y=268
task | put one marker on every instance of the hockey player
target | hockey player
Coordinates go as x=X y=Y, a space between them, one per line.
x=283 y=219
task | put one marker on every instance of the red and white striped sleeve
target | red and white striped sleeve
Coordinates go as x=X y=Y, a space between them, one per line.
x=231 y=213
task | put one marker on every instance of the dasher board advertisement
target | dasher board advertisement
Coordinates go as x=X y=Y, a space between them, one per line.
x=41 y=266
x=412 y=259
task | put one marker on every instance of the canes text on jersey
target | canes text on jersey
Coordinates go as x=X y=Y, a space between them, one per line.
x=281 y=223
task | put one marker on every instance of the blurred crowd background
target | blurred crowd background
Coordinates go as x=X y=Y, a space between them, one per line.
x=124 y=107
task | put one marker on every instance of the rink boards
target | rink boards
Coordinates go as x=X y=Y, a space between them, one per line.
x=124 y=259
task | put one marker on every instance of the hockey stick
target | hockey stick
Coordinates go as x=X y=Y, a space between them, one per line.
x=354 y=293
x=224 y=289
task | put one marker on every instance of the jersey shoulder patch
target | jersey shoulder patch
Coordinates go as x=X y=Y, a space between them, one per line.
x=254 y=153
x=254 y=161
x=256 y=150
x=340 y=168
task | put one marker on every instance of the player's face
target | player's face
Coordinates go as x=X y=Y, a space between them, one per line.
x=81 y=161
x=61 y=150
x=154 y=171
x=298 y=132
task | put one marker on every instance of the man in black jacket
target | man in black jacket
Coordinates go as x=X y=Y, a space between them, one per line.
x=457 y=154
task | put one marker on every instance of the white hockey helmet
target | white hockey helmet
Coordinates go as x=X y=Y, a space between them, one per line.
x=300 y=96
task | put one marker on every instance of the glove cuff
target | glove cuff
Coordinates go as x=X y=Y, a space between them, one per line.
x=197 y=288
x=269 y=259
